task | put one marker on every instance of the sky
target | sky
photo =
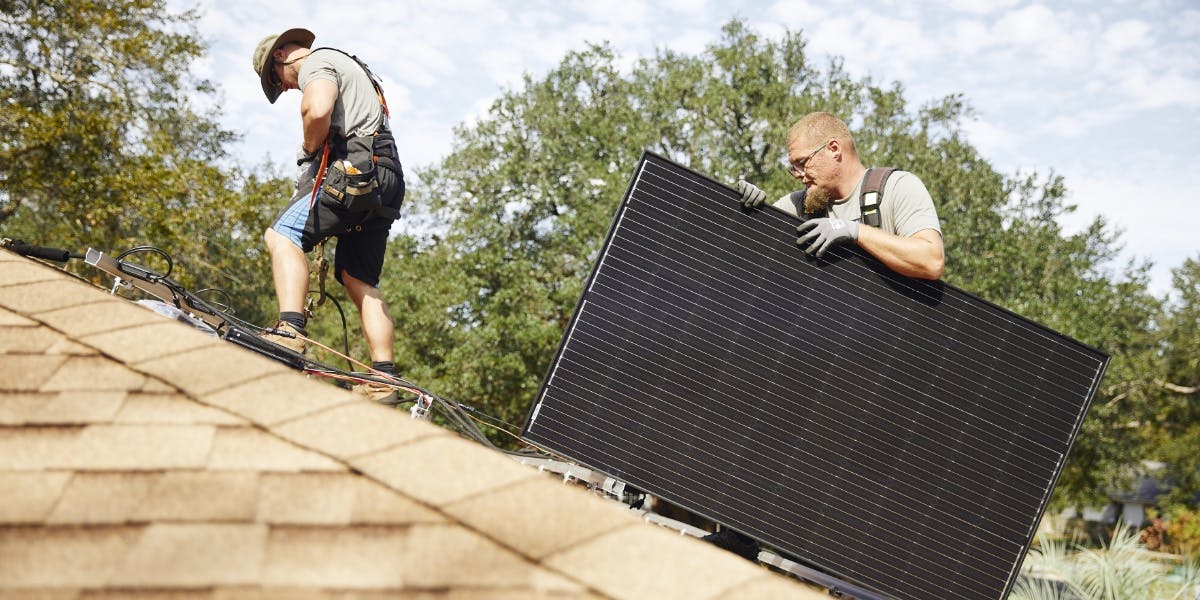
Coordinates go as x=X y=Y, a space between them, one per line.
x=1105 y=94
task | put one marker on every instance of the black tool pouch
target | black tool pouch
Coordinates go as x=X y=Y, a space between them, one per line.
x=349 y=182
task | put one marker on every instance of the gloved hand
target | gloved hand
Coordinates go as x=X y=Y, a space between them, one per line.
x=307 y=163
x=305 y=157
x=824 y=232
x=751 y=195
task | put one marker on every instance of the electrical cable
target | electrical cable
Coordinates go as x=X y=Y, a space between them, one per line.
x=459 y=417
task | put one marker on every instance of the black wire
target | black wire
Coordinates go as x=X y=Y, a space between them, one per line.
x=345 y=331
x=222 y=306
x=155 y=275
x=455 y=413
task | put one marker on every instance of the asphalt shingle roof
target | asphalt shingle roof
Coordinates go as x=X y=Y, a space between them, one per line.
x=142 y=458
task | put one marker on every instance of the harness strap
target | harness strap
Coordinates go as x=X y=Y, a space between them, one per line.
x=320 y=177
x=375 y=82
x=871 y=195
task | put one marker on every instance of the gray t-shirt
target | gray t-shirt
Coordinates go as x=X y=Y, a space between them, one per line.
x=357 y=110
x=906 y=209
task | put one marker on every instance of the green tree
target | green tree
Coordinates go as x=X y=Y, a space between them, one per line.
x=528 y=192
x=1177 y=431
x=101 y=143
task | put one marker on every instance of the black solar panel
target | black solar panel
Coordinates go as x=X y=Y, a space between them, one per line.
x=901 y=435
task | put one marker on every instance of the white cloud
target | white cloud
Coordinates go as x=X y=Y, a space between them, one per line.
x=1041 y=32
x=1126 y=36
x=968 y=37
x=981 y=7
x=990 y=139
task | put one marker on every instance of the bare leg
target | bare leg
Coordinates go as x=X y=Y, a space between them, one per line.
x=289 y=266
x=376 y=320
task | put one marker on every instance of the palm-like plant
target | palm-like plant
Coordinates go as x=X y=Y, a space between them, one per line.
x=1120 y=570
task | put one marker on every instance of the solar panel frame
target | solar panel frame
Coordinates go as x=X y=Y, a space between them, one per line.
x=712 y=363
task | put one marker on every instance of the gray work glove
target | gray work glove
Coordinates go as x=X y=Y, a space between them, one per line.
x=825 y=232
x=306 y=163
x=305 y=157
x=751 y=195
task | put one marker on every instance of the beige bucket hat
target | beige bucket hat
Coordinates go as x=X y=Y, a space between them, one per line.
x=263 y=62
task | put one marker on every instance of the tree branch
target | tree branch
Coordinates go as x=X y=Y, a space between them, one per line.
x=1178 y=389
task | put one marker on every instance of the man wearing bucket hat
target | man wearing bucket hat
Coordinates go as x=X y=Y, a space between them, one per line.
x=350 y=188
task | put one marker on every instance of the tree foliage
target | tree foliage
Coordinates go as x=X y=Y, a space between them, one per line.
x=101 y=144
x=527 y=194
x=1176 y=418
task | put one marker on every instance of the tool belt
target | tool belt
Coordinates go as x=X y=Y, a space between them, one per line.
x=349 y=181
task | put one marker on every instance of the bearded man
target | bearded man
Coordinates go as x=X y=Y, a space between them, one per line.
x=822 y=156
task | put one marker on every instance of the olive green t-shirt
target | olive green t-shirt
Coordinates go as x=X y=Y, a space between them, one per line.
x=357 y=111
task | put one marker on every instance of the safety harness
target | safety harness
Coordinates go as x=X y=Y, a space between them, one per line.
x=387 y=162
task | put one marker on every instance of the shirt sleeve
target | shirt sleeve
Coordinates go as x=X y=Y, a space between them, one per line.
x=908 y=206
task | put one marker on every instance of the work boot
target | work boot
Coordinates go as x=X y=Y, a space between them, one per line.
x=377 y=392
x=295 y=344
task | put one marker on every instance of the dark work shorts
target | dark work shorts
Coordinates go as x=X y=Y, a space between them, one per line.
x=361 y=237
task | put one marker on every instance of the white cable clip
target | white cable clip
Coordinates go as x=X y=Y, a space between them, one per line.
x=420 y=409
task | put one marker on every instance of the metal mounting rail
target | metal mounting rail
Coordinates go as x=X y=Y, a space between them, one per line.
x=139 y=277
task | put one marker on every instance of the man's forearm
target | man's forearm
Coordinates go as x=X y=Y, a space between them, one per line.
x=921 y=255
x=316 y=112
x=316 y=130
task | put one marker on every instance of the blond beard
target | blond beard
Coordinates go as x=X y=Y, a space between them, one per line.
x=816 y=199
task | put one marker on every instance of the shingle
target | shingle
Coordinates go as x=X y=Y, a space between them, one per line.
x=93 y=373
x=467 y=559
x=27 y=340
x=53 y=294
x=769 y=586
x=201 y=496
x=247 y=448
x=171 y=554
x=27 y=372
x=423 y=469
x=66 y=346
x=335 y=499
x=342 y=557
x=503 y=514
x=20 y=273
x=157 y=386
x=9 y=318
x=615 y=564
x=375 y=503
x=30 y=496
x=59 y=408
x=209 y=369
x=464 y=593
x=59 y=557
x=95 y=317
x=172 y=408
x=67 y=593
x=153 y=340
x=139 y=447
x=35 y=448
x=106 y=497
x=354 y=429
x=278 y=397
x=421 y=557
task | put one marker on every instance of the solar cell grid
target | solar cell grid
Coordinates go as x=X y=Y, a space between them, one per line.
x=901 y=435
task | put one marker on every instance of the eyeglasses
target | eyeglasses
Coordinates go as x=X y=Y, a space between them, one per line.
x=274 y=77
x=796 y=167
